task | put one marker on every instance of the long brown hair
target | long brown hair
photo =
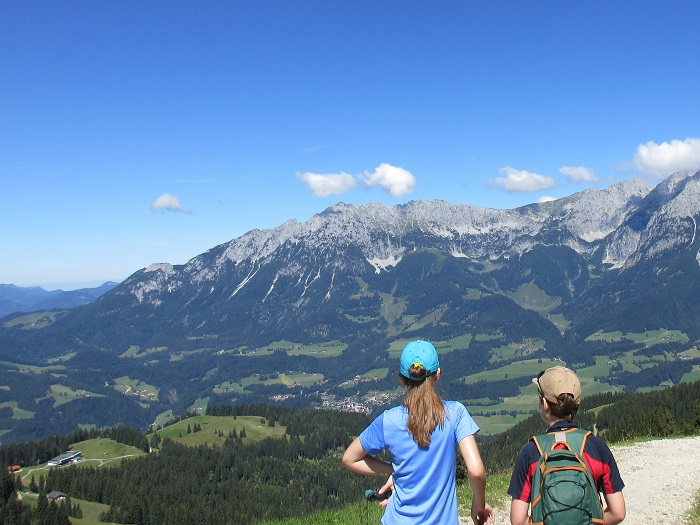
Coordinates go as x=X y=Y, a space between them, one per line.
x=425 y=408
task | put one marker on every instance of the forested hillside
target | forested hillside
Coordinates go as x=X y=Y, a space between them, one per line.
x=238 y=482
x=314 y=315
x=674 y=411
x=244 y=481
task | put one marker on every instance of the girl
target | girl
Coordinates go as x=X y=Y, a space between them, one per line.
x=422 y=437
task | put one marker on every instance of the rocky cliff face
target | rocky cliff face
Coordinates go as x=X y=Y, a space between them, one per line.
x=498 y=285
x=376 y=268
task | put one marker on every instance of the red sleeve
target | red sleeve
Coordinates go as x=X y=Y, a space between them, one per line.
x=521 y=481
x=600 y=460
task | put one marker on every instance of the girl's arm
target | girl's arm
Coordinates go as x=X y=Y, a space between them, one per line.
x=359 y=461
x=481 y=512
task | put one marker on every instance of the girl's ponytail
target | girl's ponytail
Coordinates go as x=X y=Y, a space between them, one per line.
x=425 y=408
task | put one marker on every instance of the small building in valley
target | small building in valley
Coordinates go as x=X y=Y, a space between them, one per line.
x=64 y=459
x=55 y=495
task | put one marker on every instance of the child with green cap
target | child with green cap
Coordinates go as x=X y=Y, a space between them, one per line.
x=422 y=436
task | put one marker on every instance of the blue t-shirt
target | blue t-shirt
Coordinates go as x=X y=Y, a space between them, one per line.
x=424 y=478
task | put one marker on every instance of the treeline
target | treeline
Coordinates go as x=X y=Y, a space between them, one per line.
x=300 y=473
x=298 y=422
x=674 y=411
x=14 y=512
x=35 y=452
x=235 y=483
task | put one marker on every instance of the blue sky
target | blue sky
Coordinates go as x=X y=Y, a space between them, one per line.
x=134 y=132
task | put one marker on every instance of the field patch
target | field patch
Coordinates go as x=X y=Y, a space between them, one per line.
x=62 y=358
x=443 y=347
x=327 y=349
x=692 y=376
x=289 y=378
x=104 y=451
x=528 y=367
x=200 y=405
x=498 y=417
x=135 y=351
x=136 y=388
x=96 y=452
x=180 y=355
x=516 y=350
x=216 y=429
x=91 y=510
x=35 y=320
x=648 y=338
x=228 y=387
x=561 y=322
x=17 y=413
x=495 y=424
x=163 y=418
x=376 y=373
x=62 y=394
x=33 y=368
x=532 y=297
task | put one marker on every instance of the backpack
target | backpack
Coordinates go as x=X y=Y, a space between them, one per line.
x=563 y=489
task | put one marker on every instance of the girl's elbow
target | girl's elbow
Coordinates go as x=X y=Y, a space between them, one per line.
x=346 y=461
x=350 y=459
x=477 y=473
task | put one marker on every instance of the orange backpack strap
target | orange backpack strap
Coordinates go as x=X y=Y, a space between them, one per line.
x=549 y=441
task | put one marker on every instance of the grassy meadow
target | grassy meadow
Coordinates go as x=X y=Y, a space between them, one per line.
x=91 y=510
x=215 y=429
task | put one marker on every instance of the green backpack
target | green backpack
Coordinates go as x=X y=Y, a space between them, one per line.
x=563 y=489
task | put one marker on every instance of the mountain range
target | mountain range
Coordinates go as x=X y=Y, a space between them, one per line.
x=259 y=317
x=34 y=298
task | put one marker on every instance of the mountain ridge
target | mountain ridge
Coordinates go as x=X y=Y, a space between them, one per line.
x=330 y=300
x=15 y=298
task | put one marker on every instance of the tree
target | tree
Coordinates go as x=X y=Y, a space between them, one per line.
x=42 y=507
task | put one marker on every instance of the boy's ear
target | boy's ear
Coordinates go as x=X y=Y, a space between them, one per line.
x=438 y=373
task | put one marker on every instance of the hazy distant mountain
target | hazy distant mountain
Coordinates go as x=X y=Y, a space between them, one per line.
x=33 y=298
x=356 y=278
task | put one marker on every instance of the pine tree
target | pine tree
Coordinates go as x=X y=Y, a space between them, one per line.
x=155 y=440
x=7 y=485
x=42 y=508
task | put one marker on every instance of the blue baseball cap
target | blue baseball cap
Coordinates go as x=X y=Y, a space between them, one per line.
x=419 y=353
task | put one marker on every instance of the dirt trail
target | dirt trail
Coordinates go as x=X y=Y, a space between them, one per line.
x=661 y=479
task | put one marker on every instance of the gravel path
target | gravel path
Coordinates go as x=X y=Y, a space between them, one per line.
x=661 y=479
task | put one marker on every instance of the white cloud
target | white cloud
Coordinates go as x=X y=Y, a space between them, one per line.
x=578 y=174
x=323 y=185
x=668 y=157
x=546 y=198
x=169 y=203
x=522 y=181
x=397 y=181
